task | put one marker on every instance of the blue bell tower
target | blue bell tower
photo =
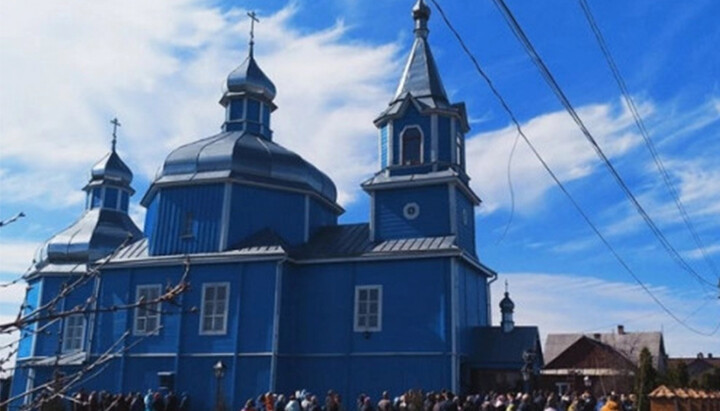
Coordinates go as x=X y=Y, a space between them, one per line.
x=422 y=189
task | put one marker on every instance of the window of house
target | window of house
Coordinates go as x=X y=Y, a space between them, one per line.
x=73 y=333
x=147 y=314
x=411 y=146
x=213 y=316
x=368 y=308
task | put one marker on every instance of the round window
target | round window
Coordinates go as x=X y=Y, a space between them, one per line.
x=411 y=211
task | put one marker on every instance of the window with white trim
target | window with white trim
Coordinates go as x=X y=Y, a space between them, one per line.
x=368 y=308
x=73 y=333
x=147 y=314
x=411 y=146
x=214 y=311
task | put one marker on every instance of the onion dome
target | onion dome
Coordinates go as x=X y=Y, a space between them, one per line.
x=243 y=157
x=103 y=227
x=249 y=78
x=506 y=304
x=111 y=169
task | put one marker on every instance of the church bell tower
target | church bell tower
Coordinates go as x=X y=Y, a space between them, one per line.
x=422 y=188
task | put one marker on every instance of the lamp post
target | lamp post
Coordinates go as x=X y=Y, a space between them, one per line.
x=587 y=382
x=219 y=369
x=528 y=368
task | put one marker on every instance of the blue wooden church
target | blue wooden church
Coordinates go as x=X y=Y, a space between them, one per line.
x=281 y=296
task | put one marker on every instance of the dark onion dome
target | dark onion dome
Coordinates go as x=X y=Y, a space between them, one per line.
x=245 y=157
x=249 y=78
x=506 y=304
x=111 y=169
x=96 y=234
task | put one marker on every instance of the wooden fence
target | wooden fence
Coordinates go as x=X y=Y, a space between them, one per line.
x=684 y=399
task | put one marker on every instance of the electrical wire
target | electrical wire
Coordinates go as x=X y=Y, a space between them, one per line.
x=557 y=181
x=555 y=87
x=510 y=187
x=645 y=135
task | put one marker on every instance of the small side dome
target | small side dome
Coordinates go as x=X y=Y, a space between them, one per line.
x=506 y=304
x=111 y=168
x=248 y=77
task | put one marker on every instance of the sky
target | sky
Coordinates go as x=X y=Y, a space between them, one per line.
x=68 y=68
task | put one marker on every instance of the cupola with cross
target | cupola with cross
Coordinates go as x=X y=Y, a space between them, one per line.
x=104 y=225
x=422 y=188
x=249 y=94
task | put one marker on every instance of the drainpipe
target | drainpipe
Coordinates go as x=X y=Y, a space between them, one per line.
x=489 y=306
x=276 y=323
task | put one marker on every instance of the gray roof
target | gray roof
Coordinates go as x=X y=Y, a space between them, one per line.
x=341 y=241
x=628 y=344
x=501 y=350
x=243 y=156
x=97 y=233
x=248 y=77
x=111 y=169
x=353 y=240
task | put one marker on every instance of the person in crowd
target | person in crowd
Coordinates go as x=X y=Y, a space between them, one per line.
x=249 y=405
x=293 y=404
x=612 y=403
x=184 y=402
x=385 y=404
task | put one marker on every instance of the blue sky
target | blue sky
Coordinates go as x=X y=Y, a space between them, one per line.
x=67 y=69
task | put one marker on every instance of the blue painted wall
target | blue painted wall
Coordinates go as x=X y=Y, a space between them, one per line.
x=320 y=216
x=465 y=213
x=254 y=209
x=170 y=233
x=32 y=302
x=433 y=220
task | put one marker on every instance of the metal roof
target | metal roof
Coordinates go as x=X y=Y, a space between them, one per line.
x=342 y=241
x=628 y=344
x=244 y=156
x=501 y=350
x=248 y=77
x=97 y=233
x=353 y=240
x=111 y=168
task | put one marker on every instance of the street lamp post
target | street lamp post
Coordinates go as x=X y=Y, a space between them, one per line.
x=588 y=383
x=219 y=369
x=528 y=368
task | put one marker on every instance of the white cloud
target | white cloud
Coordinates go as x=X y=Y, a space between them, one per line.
x=159 y=66
x=561 y=144
x=565 y=303
x=16 y=256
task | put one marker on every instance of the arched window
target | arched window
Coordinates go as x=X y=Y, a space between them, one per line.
x=411 y=146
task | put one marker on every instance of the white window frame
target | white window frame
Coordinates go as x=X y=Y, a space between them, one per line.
x=402 y=145
x=69 y=339
x=365 y=328
x=155 y=308
x=224 y=314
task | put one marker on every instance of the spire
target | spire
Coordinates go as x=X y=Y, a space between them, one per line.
x=421 y=14
x=421 y=78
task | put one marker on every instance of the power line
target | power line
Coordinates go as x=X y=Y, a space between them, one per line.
x=645 y=135
x=557 y=181
x=555 y=87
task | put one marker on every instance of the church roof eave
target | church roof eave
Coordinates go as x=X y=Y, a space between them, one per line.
x=380 y=181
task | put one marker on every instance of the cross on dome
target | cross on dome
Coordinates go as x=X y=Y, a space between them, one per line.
x=116 y=123
x=253 y=20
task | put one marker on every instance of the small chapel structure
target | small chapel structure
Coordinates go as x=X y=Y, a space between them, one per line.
x=279 y=296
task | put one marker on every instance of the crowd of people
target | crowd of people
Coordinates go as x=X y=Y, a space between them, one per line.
x=413 y=400
x=105 y=401
x=446 y=401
